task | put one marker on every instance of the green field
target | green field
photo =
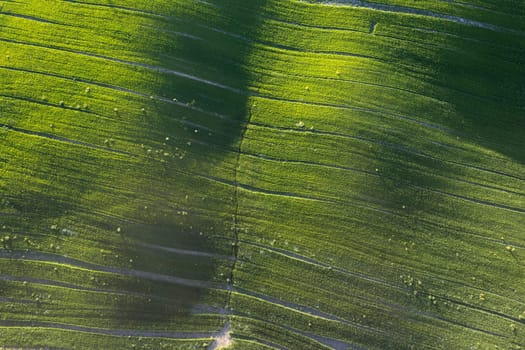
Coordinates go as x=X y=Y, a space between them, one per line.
x=273 y=174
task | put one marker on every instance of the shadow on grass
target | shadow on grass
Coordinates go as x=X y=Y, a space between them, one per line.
x=202 y=113
x=438 y=206
x=479 y=76
x=487 y=90
x=199 y=105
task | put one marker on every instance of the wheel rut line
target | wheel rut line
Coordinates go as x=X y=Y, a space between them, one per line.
x=186 y=252
x=115 y=332
x=319 y=264
x=147 y=66
x=325 y=52
x=457 y=36
x=459 y=232
x=173 y=32
x=321 y=52
x=49 y=104
x=382 y=113
x=452 y=49
x=481 y=185
x=460 y=283
x=474 y=200
x=483 y=310
x=123 y=8
x=446 y=145
x=299 y=308
x=346 y=202
x=62 y=139
x=16 y=300
x=495 y=172
x=264 y=342
x=372 y=28
x=415 y=11
x=31 y=18
x=388 y=87
x=105 y=117
x=116 y=88
x=310 y=312
x=254 y=189
x=353 y=81
x=383 y=144
x=304 y=162
x=328 y=28
x=54 y=258
x=326 y=342
x=368 y=172
x=75 y=79
x=368 y=278
x=468 y=5
x=286 y=48
x=336 y=134
x=59 y=284
x=274 y=45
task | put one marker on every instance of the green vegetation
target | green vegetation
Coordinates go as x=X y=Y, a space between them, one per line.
x=311 y=175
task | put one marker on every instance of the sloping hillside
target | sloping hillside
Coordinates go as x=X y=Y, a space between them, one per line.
x=262 y=174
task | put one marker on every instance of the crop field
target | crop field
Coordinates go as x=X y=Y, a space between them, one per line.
x=262 y=174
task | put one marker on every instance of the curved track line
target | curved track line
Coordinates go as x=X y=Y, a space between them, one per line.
x=47 y=282
x=317 y=263
x=186 y=252
x=265 y=191
x=120 y=89
x=419 y=12
x=267 y=344
x=54 y=258
x=368 y=172
x=132 y=63
x=115 y=332
x=31 y=18
x=63 y=139
x=370 y=330
x=314 y=262
x=300 y=308
x=388 y=145
x=380 y=112
x=473 y=200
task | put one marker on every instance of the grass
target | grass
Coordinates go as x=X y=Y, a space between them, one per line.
x=168 y=167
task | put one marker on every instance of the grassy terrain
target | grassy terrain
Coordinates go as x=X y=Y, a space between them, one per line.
x=311 y=175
